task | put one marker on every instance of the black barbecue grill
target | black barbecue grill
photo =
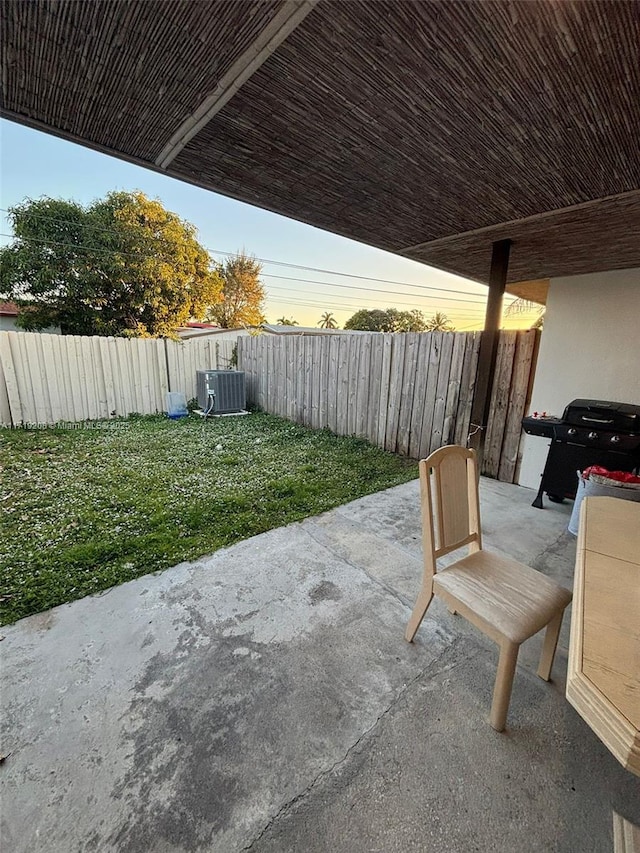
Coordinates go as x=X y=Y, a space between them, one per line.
x=590 y=432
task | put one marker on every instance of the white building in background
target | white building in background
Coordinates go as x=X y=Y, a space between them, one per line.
x=8 y=316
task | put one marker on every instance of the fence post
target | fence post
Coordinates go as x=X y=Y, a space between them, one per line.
x=166 y=365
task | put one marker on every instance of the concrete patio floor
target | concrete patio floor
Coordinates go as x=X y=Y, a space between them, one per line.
x=263 y=699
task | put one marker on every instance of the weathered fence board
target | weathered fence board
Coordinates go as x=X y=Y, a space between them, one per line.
x=420 y=395
x=395 y=392
x=499 y=400
x=519 y=394
x=467 y=388
x=412 y=343
x=407 y=393
x=385 y=381
x=453 y=388
x=444 y=368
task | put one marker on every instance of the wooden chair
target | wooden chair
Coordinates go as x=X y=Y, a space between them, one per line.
x=507 y=600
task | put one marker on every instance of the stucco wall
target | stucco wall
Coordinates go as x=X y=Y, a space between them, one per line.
x=8 y=323
x=590 y=347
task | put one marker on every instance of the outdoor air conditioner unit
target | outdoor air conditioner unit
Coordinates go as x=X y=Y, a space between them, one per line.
x=221 y=392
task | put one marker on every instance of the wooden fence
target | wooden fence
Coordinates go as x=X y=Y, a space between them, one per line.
x=46 y=379
x=408 y=393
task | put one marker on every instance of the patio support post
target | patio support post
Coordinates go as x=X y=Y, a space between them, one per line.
x=489 y=348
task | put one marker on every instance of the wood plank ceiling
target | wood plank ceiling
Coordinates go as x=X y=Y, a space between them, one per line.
x=426 y=128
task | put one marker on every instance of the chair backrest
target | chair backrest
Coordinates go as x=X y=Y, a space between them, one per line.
x=449 y=500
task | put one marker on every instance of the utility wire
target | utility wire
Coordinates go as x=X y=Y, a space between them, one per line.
x=350 y=306
x=79 y=246
x=261 y=260
x=320 y=302
x=372 y=289
x=352 y=275
x=138 y=256
x=332 y=298
x=291 y=300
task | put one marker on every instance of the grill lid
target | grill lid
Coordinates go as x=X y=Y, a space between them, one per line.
x=603 y=415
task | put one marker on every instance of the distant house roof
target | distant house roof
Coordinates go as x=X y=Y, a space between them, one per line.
x=199 y=330
x=9 y=309
x=196 y=325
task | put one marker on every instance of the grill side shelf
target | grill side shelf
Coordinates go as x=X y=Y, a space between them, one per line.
x=544 y=427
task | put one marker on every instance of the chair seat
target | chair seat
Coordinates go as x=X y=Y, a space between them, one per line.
x=514 y=600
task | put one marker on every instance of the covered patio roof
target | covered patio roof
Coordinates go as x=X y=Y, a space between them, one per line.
x=429 y=129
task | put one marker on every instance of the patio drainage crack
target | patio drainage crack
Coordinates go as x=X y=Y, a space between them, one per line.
x=388 y=536
x=551 y=549
x=431 y=669
x=397 y=595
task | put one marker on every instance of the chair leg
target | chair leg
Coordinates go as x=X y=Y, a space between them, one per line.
x=504 y=682
x=549 y=646
x=420 y=608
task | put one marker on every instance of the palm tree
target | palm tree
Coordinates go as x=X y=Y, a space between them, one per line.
x=439 y=323
x=284 y=321
x=524 y=306
x=327 y=321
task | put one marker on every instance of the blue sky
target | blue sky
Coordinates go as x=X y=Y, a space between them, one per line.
x=34 y=164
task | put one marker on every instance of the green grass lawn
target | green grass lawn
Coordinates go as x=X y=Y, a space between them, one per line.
x=86 y=509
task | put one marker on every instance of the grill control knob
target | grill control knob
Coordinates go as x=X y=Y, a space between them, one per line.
x=593 y=436
x=615 y=439
x=572 y=431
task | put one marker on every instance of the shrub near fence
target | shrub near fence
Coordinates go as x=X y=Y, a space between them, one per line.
x=408 y=393
x=46 y=379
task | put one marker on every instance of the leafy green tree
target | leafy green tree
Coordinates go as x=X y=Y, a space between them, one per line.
x=243 y=293
x=285 y=321
x=371 y=320
x=439 y=323
x=328 y=321
x=410 y=321
x=123 y=265
x=389 y=320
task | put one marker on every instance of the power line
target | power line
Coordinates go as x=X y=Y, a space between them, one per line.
x=394 y=293
x=350 y=275
x=79 y=246
x=138 y=256
x=323 y=306
x=333 y=306
x=350 y=306
x=261 y=260
x=367 y=300
x=373 y=289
